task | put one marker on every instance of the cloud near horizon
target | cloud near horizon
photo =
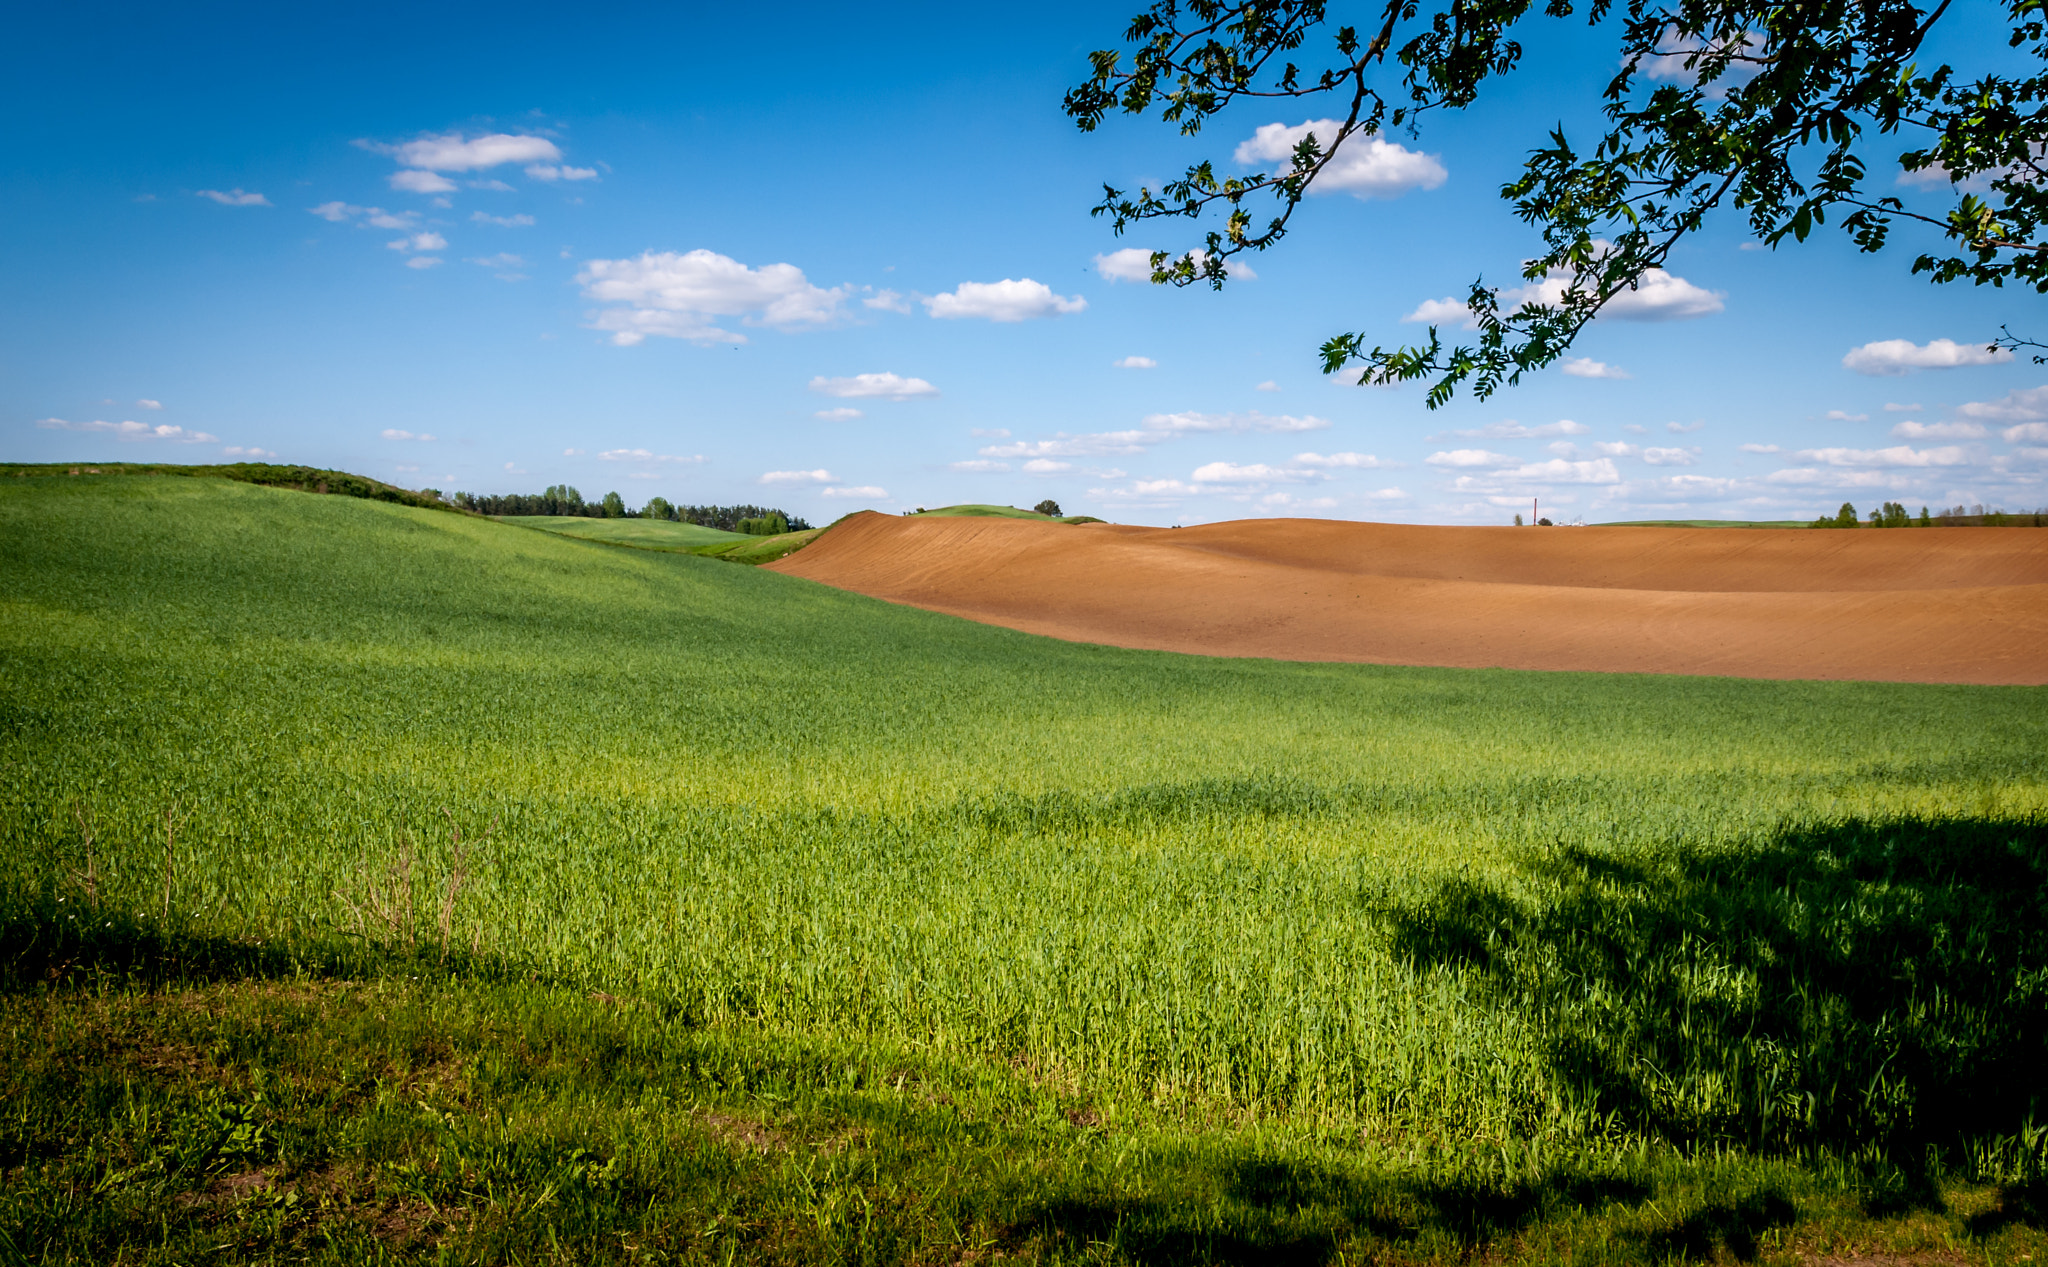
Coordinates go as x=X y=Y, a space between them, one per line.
x=131 y=430
x=1892 y=358
x=884 y=386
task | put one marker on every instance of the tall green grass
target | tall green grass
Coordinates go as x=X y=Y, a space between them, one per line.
x=1433 y=908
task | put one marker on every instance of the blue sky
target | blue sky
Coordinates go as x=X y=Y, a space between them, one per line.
x=830 y=259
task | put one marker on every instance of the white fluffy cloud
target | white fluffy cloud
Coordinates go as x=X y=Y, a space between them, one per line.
x=1256 y=473
x=1896 y=455
x=149 y=404
x=505 y=262
x=1619 y=448
x=979 y=465
x=1670 y=457
x=1011 y=299
x=1136 y=363
x=1832 y=477
x=678 y=296
x=424 y=261
x=2027 y=404
x=647 y=455
x=1565 y=471
x=1761 y=448
x=238 y=451
x=1843 y=415
x=427 y=241
x=1470 y=458
x=844 y=413
x=1131 y=264
x=418 y=182
x=509 y=222
x=235 y=197
x=1154 y=429
x=1134 y=264
x=1587 y=367
x=1659 y=296
x=1893 y=357
x=131 y=430
x=451 y=152
x=883 y=386
x=819 y=476
x=1347 y=461
x=550 y=173
x=1364 y=167
x=1509 y=429
x=1441 y=312
x=886 y=301
x=1910 y=430
x=2035 y=431
x=394 y=433
x=859 y=492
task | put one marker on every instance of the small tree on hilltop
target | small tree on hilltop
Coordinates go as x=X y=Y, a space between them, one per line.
x=1049 y=508
x=614 y=506
x=657 y=508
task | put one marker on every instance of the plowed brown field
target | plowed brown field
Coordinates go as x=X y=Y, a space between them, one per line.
x=1911 y=605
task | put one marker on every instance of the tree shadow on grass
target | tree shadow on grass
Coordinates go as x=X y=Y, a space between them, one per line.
x=2023 y=1203
x=1285 y=1212
x=1869 y=986
x=43 y=946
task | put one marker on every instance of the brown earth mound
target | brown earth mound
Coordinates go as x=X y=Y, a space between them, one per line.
x=1909 y=605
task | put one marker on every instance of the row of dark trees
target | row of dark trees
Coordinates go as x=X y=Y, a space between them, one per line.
x=562 y=499
x=1893 y=515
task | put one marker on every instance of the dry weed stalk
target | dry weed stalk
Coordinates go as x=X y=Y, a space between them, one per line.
x=456 y=875
x=89 y=878
x=170 y=855
x=389 y=905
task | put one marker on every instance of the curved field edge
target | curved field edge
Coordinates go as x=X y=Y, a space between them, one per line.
x=1425 y=909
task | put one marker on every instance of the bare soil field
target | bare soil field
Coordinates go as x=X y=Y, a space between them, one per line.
x=1966 y=605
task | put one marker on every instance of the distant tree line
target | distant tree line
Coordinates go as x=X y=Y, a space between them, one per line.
x=562 y=499
x=1893 y=515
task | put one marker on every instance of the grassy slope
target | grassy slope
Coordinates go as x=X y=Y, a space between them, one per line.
x=1312 y=956
x=977 y=510
x=648 y=534
x=758 y=550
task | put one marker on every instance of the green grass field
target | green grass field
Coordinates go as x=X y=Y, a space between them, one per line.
x=647 y=534
x=790 y=925
x=680 y=538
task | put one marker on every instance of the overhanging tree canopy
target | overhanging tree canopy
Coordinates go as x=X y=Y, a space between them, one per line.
x=1782 y=121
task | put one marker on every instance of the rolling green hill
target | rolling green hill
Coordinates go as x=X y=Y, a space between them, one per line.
x=647 y=534
x=1087 y=946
